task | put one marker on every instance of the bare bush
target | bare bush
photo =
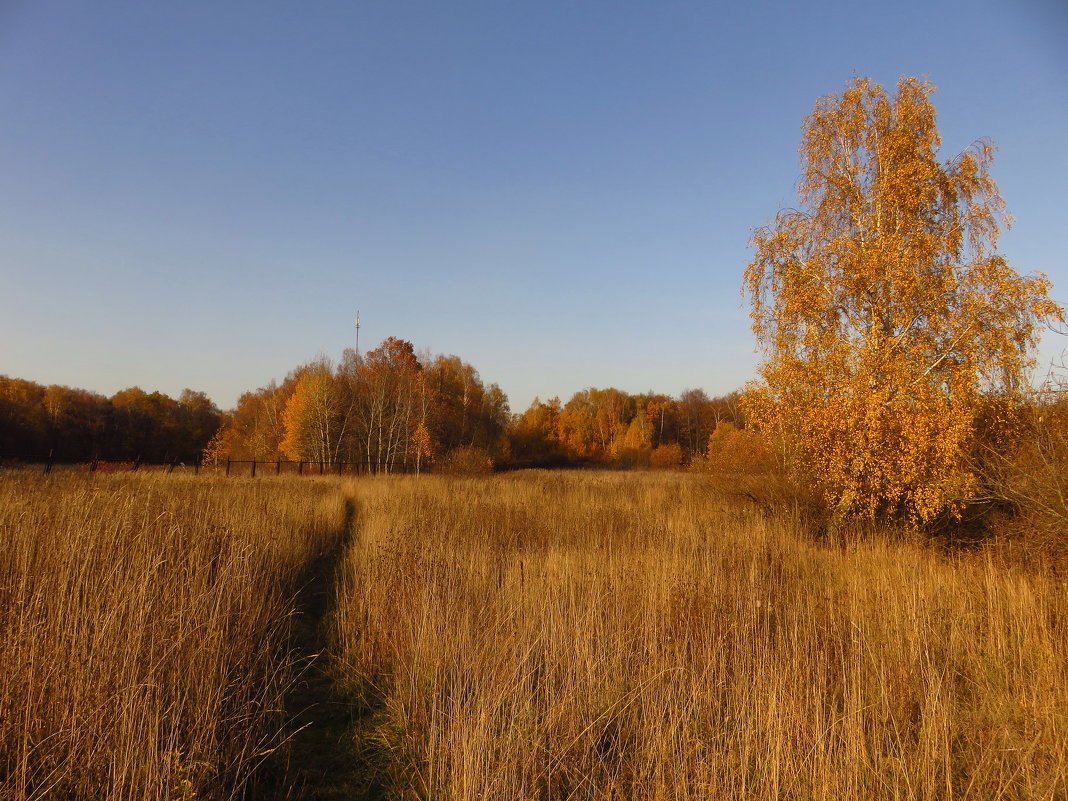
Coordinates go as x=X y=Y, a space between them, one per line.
x=468 y=460
x=1027 y=471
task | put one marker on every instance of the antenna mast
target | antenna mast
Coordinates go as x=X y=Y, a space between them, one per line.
x=357 y=334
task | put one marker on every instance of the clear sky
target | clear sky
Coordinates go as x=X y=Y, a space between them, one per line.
x=201 y=194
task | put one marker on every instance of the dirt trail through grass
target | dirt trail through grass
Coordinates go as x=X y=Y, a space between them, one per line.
x=322 y=762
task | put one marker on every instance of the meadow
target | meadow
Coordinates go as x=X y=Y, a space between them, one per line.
x=624 y=636
x=145 y=630
x=535 y=635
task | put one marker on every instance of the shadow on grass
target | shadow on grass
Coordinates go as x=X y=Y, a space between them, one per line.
x=322 y=760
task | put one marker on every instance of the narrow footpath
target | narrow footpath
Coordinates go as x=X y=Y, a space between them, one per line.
x=322 y=762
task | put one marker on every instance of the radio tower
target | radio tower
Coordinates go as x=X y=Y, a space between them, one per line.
x=357 y=334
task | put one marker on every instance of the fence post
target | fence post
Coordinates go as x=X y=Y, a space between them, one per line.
x=170 y=467
x=228 y=466
x=48 y=465
x=300 y=467
x=278 y=467
x=196 y=467
x=253 y=468
x=320 y=468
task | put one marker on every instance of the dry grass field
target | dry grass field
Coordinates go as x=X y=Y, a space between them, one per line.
x=631 y=636
x=525 y=636
x=144 y=624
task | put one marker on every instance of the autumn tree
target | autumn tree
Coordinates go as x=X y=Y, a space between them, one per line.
x=662 y=412
x=76 y=424
x=390 y=404
x=386 y=410
x=315 y=416
x=256 y=428
x=696 y=420
x=633 y=445
x=885 y=313
x=421 y=446
x=535 y=434
x=464 y=411
x=594 y=423
x=198 y=419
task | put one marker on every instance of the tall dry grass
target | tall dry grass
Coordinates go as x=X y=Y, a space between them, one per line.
x=628 y=636
x=143 y=629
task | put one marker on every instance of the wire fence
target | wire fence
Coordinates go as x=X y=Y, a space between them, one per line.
x=289 y=466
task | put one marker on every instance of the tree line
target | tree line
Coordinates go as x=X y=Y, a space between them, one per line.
x=392 y=409
x=612 y=427
x=388 y=410
x=75 y=424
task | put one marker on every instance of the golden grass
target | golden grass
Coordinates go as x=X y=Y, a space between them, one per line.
x=535 y=636
x=629 y=636
x=143 y=629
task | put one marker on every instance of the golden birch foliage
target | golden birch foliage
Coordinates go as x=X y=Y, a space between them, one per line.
x=638 y=435
x=735 y=450
x=883 y=309
x=296 y=418
x=308 y=417
x=421 y=446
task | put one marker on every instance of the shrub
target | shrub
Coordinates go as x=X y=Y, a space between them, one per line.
x=666 y=456
x=468 y=460
x=736 y=450
x=741 y=463
x=1028 y=474
x=631 y=458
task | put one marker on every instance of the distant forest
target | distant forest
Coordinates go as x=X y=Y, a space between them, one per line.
x=389 y=410
x=75 y=424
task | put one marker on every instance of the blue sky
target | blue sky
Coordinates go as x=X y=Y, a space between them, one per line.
x=201 y=194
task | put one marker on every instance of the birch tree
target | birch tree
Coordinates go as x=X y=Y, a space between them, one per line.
x=884 y=311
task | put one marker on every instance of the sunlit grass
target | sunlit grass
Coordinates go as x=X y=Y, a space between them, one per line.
x=554 y=636
x=531 y=636
x=143 y=629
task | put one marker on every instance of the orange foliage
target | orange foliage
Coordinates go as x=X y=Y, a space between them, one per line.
x=884 y=310
x=422 y=447
x=384 y=411
x=734 y=450
x=312 y=418
x=666 y=456
x=132 y=425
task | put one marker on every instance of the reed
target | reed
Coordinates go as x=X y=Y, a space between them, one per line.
x=623 y=636
x=144 y=625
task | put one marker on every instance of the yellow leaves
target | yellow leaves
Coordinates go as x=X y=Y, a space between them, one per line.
x=638 y=435
x=421 y=446
x=882 y=310
x=421 y=443
x=307 y=417
x=734 y=450
x=293 y=418
x=182 y=788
